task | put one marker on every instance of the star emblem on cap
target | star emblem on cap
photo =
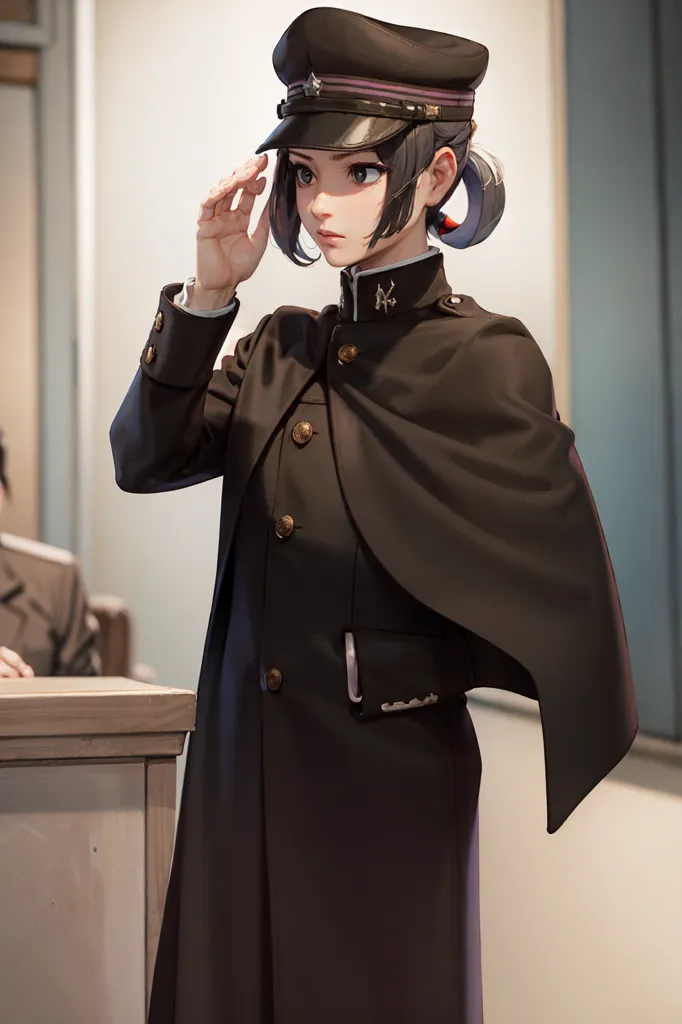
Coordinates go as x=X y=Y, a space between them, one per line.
x=312 y=85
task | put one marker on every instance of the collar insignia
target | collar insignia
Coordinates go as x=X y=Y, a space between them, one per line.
x=384 y=297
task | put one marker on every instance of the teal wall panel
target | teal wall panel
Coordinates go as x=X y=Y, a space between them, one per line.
x=620 y=367
x=669 y=64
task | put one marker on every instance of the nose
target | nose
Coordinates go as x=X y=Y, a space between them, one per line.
x=320 y=207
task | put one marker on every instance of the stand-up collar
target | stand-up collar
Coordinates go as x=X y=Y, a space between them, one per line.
x=394 y=289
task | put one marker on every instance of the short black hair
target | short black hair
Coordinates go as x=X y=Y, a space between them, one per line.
x=406 y=155
x=4 y=482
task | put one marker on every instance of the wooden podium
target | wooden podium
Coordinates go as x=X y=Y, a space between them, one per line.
x=87 y=822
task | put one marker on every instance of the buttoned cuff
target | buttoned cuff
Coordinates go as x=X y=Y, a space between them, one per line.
x=182 y=299
x=182 y=349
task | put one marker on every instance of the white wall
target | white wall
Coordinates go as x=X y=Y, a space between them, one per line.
x=585 y=926
x=183 y=94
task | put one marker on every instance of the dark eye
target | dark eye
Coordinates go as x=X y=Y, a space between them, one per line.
x=301 y=168
x=360 y=173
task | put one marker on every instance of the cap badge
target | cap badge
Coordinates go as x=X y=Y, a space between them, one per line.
x=312 y=85
x=384 y=297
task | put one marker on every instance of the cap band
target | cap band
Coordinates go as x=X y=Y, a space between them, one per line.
x=373 y=98
x=373 y=89
x=403 y=109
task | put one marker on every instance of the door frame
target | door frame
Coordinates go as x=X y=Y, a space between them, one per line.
x=52 y=37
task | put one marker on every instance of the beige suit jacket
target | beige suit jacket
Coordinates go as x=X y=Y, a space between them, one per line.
x=44 y=615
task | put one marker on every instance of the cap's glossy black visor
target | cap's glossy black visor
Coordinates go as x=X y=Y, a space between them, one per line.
x=332 y=130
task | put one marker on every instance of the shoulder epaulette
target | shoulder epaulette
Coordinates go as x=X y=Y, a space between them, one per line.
x=463 y=305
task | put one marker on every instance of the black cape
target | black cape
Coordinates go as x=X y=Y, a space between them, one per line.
x=456 y=470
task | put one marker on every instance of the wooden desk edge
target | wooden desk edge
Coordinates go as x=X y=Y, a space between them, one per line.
x=102 y=714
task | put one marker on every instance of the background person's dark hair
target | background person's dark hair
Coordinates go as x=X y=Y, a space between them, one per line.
x=406 y=155
x=4 y=482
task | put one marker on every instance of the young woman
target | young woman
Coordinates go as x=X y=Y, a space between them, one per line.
x=404 y=518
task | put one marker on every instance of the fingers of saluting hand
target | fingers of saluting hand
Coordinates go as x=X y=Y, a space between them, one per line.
x=262 y=232
x=12 y=666
x=248 y=196
x=245 y=177
x=222 y=201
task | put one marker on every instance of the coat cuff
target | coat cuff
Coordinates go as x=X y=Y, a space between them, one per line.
x=182 y=297
x=181 y=349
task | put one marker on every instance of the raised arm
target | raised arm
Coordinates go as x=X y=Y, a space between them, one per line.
x=171 y=429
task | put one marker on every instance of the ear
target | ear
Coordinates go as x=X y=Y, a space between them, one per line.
x=442 y=171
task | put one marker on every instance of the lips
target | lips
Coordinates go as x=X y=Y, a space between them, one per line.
x=329 y=234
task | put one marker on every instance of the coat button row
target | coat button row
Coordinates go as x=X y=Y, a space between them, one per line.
x=302 y=432
x=347 y=353
x=272 y=679
x=284 y=527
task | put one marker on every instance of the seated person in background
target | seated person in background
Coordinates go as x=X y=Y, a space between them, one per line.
x=46 y=628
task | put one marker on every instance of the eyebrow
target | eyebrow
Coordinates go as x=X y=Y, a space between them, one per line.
x=334 y=156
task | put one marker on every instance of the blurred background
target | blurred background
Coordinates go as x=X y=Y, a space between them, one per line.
x=116 y=117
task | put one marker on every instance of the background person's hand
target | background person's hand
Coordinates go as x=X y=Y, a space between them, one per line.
x=12 y=666
x=226 y=254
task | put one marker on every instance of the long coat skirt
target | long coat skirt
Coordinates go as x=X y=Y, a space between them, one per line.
x=326 y=865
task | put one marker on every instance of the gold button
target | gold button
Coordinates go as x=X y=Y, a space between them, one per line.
x=273 y=679
x=159 y=321
x=284 y=527
x=347 y=353
x=150 y=355
x=302 y=432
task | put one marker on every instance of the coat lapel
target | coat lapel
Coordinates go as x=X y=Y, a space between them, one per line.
x=12 y=613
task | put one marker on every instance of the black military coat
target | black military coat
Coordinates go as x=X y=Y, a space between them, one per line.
x=465 y=492
x=44 y=615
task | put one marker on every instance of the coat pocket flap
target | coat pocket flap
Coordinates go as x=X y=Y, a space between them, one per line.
x=393 y=672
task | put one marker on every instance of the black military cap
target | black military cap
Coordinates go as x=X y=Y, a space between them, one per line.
x=353 y=81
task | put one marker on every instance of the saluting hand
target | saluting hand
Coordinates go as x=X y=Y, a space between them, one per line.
x=226 y=254
x=12 y=666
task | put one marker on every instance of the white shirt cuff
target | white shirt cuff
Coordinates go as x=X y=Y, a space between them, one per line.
x=182 y=298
